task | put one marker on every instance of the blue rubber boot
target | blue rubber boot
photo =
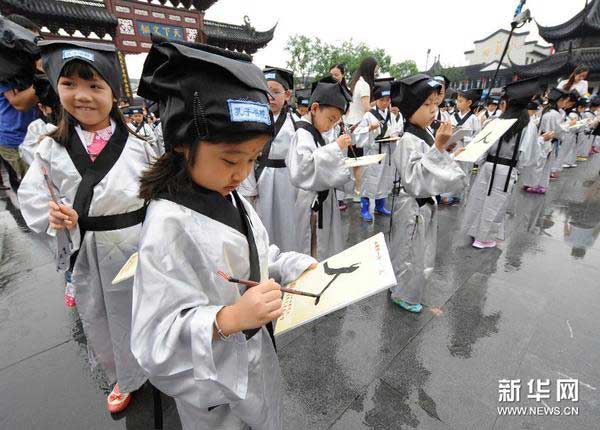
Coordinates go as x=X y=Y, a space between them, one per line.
x=364 y=210
x=380 y=208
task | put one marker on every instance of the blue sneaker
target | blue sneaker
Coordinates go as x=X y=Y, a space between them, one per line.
x=414 y=308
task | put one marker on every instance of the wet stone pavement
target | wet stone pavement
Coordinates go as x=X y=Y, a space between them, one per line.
x=525 y=311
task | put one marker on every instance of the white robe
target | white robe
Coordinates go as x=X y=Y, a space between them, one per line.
x=569 y=140
x=585 y=138
x=313 y=169
x=425 y=172
x=473 y=124
x=377 y=179
x=146 y=133
x=274 y=192
x=104 y=309
x=484 y=214
x=551 y=121
x=177 y=294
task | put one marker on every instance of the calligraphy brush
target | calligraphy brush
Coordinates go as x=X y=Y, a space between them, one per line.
x=254 y=284
x=53 y=197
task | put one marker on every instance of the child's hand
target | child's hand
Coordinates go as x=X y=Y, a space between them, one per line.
x=549 y=135
x=458 y=152
x=373 y=126
x=257 y=306
x=443 y=135
x=344 y=141
x=61 y=216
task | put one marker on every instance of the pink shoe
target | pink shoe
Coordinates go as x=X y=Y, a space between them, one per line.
x=540 y=190
x=70 y=295
x=484 y=244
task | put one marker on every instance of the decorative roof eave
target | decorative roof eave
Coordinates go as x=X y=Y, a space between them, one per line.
x=66 y=15
x=585 y=23
x=561 y=63
x=237 y=37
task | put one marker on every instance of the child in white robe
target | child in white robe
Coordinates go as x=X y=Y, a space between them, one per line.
x=317 y=167
x=377 y=179
x=93 y=163
x=425 y=169
x=491 y=192
x=203 y=340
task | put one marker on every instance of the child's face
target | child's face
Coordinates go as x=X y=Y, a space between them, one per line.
x=492 y=107
x=383 y=103
x=89 y=102
x=562 y=103
x=222 y=167
x=302 y=110
x=137 y=118
x=441 y=95
x=325 y=117
x=463 y=104
x=279 y=96
x=426 y=113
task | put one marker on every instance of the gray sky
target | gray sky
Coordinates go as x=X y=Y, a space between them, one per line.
x=404 y=28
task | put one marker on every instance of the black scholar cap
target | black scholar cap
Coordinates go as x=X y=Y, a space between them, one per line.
x=205 y=93
x=56 y=54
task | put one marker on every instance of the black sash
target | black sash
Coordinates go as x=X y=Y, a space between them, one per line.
x=92 y=172
x=420 y=133
x=264 y=156
x=512 y=163
x=218 y=208
x=459 y=121
x=384 y=125
x=321 y=195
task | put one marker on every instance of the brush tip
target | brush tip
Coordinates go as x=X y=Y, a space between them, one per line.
x=223 y=275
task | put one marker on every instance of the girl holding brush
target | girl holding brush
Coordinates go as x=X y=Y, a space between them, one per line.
x=92 y=163
x=202 y=339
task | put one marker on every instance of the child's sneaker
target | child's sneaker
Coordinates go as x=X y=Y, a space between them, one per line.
x=410 y=307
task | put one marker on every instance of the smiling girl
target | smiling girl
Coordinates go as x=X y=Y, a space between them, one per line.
x=94 y=164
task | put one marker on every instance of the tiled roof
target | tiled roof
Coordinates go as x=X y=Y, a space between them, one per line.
x=71 y=16
x=237 y=37
x=562 y=63
x=585 y=23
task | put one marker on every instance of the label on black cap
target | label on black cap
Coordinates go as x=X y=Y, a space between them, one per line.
x=70 y=53
x=247 y=111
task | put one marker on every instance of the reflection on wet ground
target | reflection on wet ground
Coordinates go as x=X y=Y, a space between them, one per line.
x=526 y=310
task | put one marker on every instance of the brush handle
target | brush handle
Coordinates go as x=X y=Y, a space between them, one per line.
x=298 y=292
x=251 y=284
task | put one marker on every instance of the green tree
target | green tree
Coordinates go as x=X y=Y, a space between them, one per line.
x=311 y=58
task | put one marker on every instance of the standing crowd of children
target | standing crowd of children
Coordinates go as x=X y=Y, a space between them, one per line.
x=233 y=178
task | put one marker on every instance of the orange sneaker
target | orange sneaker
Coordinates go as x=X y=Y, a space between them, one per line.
x=117 y=401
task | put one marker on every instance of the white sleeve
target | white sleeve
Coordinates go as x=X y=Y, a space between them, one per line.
x=286 y=267
x=429 y=173
x=172 y=322
x=316 y=169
